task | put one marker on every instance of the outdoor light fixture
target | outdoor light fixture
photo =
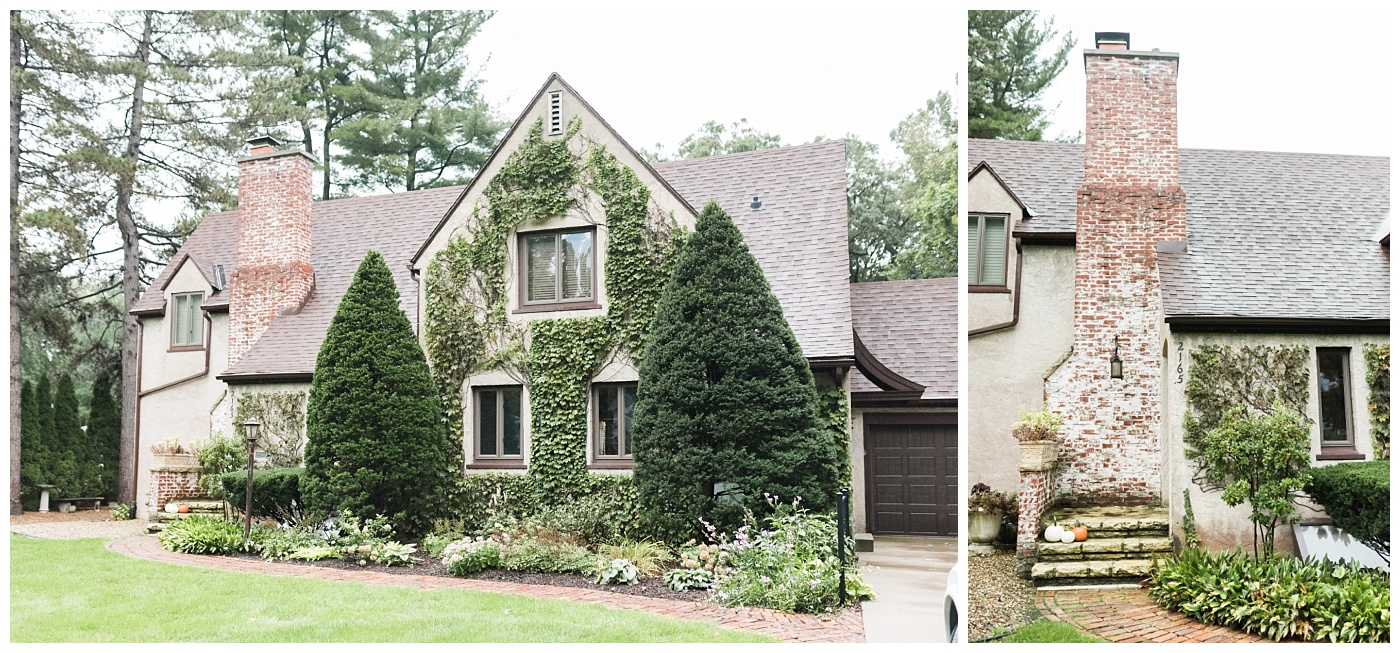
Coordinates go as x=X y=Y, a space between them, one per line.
x=1115 y=364
x=250 y=434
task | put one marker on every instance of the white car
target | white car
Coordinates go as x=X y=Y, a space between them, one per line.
x=954 y=597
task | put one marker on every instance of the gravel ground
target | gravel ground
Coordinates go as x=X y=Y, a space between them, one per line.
x=74 y=525
x=996 y=596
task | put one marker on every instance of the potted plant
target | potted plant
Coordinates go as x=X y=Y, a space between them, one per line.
x=984 y=512
x=1038 y=433
x=170 y=453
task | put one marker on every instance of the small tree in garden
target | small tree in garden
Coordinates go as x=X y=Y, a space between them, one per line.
x=724 y=396
x=1261 y=459
x=375 y=438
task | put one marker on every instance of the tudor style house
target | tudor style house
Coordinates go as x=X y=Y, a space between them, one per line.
x=232 y=327
x=1096 y=271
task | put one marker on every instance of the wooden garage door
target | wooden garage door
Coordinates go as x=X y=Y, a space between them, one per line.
x=913 y=478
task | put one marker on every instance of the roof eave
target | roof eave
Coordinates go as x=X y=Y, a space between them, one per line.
x=1244 y=324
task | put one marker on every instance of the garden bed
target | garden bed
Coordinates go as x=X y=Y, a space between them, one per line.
x=648 y=587
x=999 y=600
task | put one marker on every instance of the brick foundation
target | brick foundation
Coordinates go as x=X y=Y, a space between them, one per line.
x=1034 y=497
x=173 y=484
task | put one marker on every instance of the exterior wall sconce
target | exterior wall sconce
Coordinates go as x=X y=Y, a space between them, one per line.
x=1115 y=364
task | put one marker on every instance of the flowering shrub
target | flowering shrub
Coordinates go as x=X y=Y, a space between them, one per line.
x=281 y=541
x=617 y=572
x=470 y=555
x=318 y=552
x=791 y=565
x=685 y=579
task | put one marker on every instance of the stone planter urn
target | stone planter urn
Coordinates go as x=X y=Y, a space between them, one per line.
x=982 y=530
x=1039 y=455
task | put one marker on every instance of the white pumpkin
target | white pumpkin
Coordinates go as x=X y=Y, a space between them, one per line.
x=1067 y=536
x=170 y=507
x=1054 y=532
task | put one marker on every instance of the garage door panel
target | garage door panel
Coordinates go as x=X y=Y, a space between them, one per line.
x=913 y=478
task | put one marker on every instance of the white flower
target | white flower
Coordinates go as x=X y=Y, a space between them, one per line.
x=763 y=580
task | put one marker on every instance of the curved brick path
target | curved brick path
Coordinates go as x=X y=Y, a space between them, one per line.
x=1127 y=615
x=843 y=627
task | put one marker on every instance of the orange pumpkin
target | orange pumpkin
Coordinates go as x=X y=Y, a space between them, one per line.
x=1081 y=533
x=184 y=508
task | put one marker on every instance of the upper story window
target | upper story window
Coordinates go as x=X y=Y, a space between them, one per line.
x=185 y=320
x=614 y=403
x=1333 y=396
x=986 y=249
x=558 y=268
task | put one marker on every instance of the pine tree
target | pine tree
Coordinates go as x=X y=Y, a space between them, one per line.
x=375 y=437
x=724 y=395
x=104 y=435
x=1006 y=74
x=68 y=453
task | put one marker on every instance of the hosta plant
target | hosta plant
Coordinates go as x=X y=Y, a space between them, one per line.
x=683 y=579
x=204 y=535
x=617 y=572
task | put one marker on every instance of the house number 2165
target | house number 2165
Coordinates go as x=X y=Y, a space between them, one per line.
x=1180 y=354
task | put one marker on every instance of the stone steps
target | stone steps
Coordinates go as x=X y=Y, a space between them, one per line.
x=1105 y=548
x=1123 y=543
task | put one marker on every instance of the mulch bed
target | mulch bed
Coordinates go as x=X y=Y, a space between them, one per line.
x=648 y=587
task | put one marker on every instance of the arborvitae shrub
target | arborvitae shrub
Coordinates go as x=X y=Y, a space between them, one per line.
x=68 y=451
x=724 y=395
x=104 y=435
x=375 y=438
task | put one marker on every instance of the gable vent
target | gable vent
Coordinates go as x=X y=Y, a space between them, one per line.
x=556 y=113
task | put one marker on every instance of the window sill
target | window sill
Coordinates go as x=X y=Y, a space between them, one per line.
x=611 y=463
x=989 y=289
x=179 y=348
x=563 y=306
x=507 y=463
x=1340 y=453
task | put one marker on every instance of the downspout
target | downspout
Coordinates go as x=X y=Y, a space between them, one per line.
x=208 y=346
x=1015 y=301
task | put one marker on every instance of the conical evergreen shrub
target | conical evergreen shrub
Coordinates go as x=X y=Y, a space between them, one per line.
x=724 y=395
x=105 y=435
x=67 y=452
x=375 y=436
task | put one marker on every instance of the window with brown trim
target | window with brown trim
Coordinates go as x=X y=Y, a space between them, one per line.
x=1334 y=397
x=613 y=405
x=498 y=423
x=557 y=267
x=185 y=320
x=986 y=249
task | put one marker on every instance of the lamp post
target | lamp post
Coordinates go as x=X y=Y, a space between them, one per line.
x=843 y=508
x=250 y=435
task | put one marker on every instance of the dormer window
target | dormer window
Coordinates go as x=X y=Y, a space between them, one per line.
x=557 y=269
x=185 y=320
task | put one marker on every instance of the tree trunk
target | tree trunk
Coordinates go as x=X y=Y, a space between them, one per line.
x=131 y=268
x=15 y=366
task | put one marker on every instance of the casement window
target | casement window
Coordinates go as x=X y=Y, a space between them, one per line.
x=986 y=249
x=613 y=405
x=498 y=424
x=185 y=320
x=1334 y=396
x=558 y=268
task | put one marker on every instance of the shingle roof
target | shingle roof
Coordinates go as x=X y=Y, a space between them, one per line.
x=912 y=328
x=1269 y=234
x=213 y=243
x=798 y=236
x=802 y=189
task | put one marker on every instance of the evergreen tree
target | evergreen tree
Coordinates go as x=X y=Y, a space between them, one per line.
x=43 y=426
x=31 y=467
x=724 y=395
x=1006 y=74
x=68 y=453
x=375 y=437
x=104 y=435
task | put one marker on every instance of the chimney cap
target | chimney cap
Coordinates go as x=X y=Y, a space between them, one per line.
x=264 y=142
x=1112 y=41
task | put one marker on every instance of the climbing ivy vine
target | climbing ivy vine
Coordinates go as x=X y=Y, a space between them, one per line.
x=466 y=327
x=283 y=424
x=835 y=418
x=1256 y=377
x=1378 y=401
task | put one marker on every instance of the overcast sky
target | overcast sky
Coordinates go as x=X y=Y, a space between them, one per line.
x=656 y=76
x=1275 y=81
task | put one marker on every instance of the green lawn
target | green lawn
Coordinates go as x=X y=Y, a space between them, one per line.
x=1044 y=630
x=77 y=591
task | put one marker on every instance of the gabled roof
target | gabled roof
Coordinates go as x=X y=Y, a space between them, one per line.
x=912 y=328
x=1270 y=235
x=982 y=167
x=798 y=234
x=213 y=243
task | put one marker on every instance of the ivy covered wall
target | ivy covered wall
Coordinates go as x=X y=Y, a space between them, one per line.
x=1378 y=397
x=467 y=328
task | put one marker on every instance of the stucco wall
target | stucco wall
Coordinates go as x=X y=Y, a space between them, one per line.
x=1220 y=526
x=181 y=411
x=1006 y=367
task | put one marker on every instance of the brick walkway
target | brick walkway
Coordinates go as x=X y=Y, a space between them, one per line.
x=843 y=627
x=1127 y=615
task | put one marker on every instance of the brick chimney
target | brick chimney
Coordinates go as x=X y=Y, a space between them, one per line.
x=274 y=241
x=1131 y=211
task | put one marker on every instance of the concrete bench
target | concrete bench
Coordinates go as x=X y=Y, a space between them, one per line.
x=71 y=504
